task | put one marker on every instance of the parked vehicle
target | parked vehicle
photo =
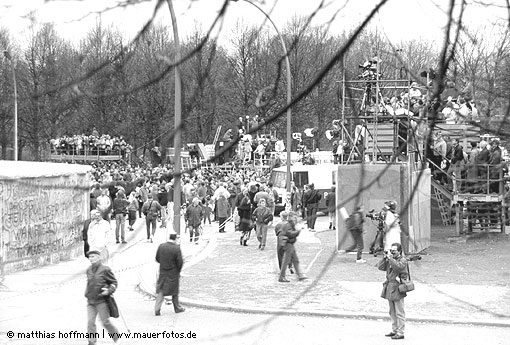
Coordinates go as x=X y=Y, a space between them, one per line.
x=323 y=176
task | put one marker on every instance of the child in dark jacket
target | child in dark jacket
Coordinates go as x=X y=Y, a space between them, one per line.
x=262 y=216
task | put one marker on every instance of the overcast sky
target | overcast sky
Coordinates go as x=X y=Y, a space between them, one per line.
x=399 y=20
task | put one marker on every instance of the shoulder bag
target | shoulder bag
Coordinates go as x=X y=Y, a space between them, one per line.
x=112 y=306
x=408 y=285
x=148 y=210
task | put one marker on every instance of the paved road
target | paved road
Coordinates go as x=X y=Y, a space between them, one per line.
x=50 y=299
x=233 y=277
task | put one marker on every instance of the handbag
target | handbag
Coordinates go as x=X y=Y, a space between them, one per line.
x=112 y=306
x=406 y=286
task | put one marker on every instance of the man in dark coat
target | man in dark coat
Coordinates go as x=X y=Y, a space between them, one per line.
x=169 y=257
x=311 y=200
x=194 y=216
x=101 y=283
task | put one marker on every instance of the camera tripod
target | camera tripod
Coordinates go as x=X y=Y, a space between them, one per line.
x=368 y=100
x=377 y=246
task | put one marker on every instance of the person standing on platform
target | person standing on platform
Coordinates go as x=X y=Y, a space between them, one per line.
x=170 y=261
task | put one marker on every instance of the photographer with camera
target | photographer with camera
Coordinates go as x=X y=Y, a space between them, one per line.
x=395 y=265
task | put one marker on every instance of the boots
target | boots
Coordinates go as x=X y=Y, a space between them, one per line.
x=330 y=226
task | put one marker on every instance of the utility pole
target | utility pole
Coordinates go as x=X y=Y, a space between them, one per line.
x=177 y=125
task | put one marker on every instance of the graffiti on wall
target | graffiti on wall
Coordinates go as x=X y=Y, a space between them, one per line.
x=41 y=216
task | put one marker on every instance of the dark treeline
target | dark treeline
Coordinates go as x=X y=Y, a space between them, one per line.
x=247 y=78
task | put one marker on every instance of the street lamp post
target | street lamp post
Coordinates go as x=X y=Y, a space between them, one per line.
x=289 y=98
x=13 y=65
x=177 y=126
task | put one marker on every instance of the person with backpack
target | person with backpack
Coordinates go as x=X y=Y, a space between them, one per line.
x=151 y=209
x=311 y=200
x=355 y=226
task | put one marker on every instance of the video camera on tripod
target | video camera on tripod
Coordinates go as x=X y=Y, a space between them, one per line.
x=369 y=70
x=376 y=216
x=377 y=245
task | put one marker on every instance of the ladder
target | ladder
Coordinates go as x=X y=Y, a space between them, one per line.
x=442 y=197
x=217 y=135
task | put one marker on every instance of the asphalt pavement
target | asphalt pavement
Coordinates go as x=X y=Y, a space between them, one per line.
x=228 y=276
x=219 y=274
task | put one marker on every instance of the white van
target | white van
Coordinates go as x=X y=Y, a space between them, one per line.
x=323 y=176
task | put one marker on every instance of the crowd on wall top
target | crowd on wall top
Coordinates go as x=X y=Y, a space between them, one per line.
x=94 y=144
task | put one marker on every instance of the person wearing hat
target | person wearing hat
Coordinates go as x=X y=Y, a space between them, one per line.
x=97 y=234
x=101 y=283
x=169 y=257
x=193 y=217
x=287 y=235
x=414 y=92
x=392 y=224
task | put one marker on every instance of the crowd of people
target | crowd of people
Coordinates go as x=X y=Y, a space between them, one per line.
x=93 y=144
x=478 y=169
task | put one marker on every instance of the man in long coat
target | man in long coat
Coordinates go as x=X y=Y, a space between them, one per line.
x=169 y=257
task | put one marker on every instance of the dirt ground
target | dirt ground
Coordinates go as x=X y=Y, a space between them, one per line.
x=481 y=258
